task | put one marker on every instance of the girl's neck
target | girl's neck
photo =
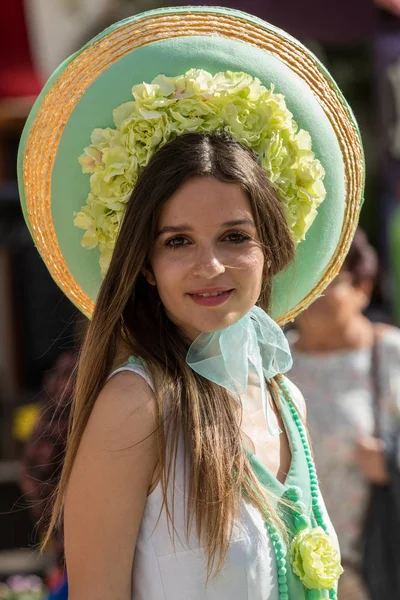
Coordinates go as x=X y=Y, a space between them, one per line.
x=353 y=335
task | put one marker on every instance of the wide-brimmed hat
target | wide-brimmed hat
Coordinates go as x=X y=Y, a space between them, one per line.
x=179 y=44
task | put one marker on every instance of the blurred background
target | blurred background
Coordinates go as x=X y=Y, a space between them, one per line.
x=358 y=41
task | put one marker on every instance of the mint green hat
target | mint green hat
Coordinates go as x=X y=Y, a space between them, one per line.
x=76 y=168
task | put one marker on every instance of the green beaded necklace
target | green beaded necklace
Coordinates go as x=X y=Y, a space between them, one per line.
x=301 y=521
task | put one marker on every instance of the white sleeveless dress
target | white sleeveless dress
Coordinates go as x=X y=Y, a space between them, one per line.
x=175 y=569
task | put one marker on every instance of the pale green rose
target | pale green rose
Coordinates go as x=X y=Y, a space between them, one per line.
x=103 y=136
x=165 y=85
x=118 y=188
x=108 y=224
x=318 y=191
x=152 y=101
x=149 y=115
x=281 y=120
x=116 y=162
x=91 y=160
x=143 y=136
x=300 y=217
x=315 y=559
x=230 y=83
x=145 y=93
x=189 y=107
x=258 y=121
x=303 y=140
x=309 y=171
x=197 y=83
x=105 y=259
x=256 y=91
x=90 y=239
x=276 y=157
x=191 y=115
x=86 y=220
x=108 y=227
x=124 y=112
x=186 y=124
x=235 y=114
x=82 y=220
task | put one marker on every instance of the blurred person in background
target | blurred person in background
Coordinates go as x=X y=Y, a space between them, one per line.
x=44 y=452
x=332 y=351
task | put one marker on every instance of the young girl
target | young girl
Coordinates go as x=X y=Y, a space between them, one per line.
x=188 y=471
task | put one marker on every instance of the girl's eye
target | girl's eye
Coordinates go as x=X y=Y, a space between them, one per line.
x=237 y=238
x=177 y=242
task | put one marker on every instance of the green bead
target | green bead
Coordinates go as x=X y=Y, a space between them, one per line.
x=318 y=518
x=283 y=597
x=281 y=562
x=301 y=522
x=314 y=595
x=300 y=507
x=283 y=588
x=293 y=493
x=282 y=579
x=282 y=571
x=332 y=594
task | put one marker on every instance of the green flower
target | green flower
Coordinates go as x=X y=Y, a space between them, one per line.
x=197 y=102
x=315 y=559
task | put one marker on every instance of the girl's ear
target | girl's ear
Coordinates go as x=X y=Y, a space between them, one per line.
x=148 y=275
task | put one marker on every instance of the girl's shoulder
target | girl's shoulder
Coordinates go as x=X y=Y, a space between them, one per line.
x=134 y=365
x=124 y=413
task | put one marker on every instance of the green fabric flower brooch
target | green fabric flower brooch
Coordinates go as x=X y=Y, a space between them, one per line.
x=315 y=560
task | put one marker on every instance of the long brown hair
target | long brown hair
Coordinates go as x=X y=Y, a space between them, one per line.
x=128 y=311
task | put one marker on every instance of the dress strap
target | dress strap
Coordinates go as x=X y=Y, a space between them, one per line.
x=136 y=366
x=296 y=397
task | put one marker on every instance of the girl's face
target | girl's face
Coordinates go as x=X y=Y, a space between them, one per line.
x=206 y=260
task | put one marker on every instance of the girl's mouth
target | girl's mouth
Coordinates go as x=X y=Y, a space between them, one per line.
x=214 y=298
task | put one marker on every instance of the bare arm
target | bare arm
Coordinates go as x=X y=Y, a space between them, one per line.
x=108 y=488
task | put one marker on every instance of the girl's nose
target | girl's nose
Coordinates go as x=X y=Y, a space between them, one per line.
x=208 y=265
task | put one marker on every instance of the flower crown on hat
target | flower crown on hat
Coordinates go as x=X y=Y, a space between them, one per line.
x=197 y=102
